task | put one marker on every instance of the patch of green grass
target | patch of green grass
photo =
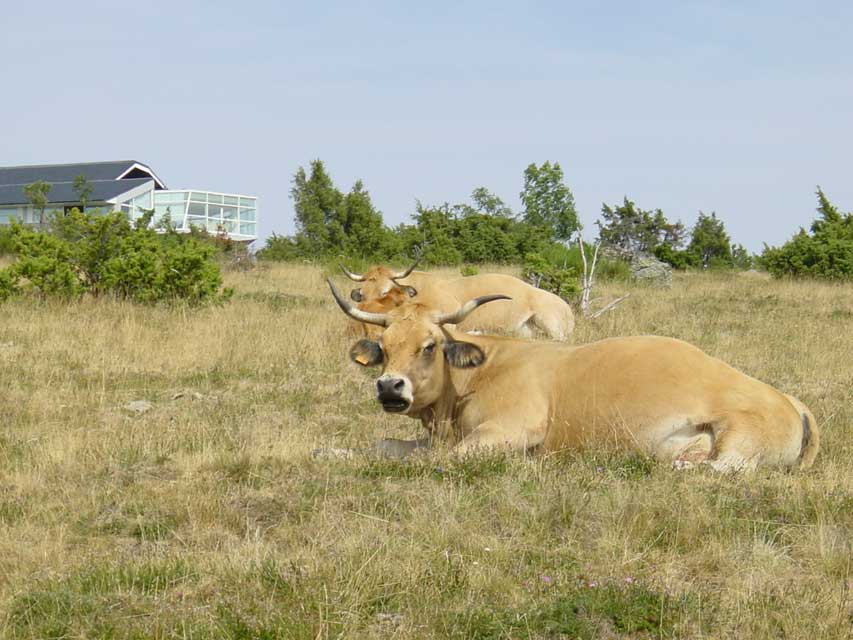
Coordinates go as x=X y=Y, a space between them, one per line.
x=243 y=469
x=622 y=465
x=462 y=470
x=83 y=604
x=587 y=612
x=143 y=521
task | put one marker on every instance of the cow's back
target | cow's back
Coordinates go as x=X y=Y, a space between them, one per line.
x=530 y=307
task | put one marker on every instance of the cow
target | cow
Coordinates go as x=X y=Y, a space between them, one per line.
x=657 y=395
x=526 y=309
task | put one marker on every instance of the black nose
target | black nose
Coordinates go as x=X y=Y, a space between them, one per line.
x=390 y=386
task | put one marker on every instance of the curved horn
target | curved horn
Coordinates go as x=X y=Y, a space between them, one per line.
x=460 y=314
x=354 y=312
x=398 y=276
x=351 y=275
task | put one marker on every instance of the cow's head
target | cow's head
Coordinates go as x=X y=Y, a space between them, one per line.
x=379 y=282
x=414 y=351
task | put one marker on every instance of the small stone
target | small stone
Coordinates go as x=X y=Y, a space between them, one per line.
x=392 y=619
x=331 y=453
x=139 y=406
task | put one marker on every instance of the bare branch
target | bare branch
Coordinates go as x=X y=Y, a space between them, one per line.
x=609 y=306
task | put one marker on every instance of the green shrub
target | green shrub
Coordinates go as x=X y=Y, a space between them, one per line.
x=826 y=252
x=7 y=241
x=468 y=270
x=562 y=281
x=8 y=284
x=107 y=255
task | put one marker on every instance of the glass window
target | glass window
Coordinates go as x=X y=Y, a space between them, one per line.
x=7 y=214
x=247 y=228
x=214 y=212
x=141 y=202
x=229 y=213
x=169 y=196
x=212 y=197
x=247 y=202
x=198 y=196
x=197 y=209
x=196 y=222
x=231 y=199
x=230 y=226
x=247 y=214
x=213 y=226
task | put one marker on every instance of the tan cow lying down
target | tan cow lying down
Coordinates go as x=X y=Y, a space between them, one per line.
x=657 y=395
x=529 y=308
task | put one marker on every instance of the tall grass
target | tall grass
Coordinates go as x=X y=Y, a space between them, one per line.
x=206 y=517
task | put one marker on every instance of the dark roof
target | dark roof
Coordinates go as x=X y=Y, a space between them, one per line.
x=94 y=171
x=61 y=192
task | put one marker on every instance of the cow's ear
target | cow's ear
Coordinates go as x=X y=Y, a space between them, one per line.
x=366 y=353
x=411 y=291
x=355 y=294
x=463 y=354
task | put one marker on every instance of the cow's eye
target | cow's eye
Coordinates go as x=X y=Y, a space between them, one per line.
x=429 y=349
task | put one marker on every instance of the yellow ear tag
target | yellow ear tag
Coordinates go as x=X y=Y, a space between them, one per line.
x=361 y=359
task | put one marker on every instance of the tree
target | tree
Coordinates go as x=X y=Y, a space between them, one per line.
x=548 y=202
x=741 y=258
x=632 y=230
x=487 y=203
x=37 y=193
x=435 y=228
x=825 y=253
x=83 y=190
x=357 y=228
x=316 y=201
x=710 y=245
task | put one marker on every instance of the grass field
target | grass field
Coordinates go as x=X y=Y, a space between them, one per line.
x=206 y=517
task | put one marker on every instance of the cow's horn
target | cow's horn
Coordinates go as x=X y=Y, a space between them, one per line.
x=459 y=315
x=354 y=312
x=351 y=275
x=403 y=274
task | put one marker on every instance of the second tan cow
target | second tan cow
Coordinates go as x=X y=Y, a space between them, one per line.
x=526 y=310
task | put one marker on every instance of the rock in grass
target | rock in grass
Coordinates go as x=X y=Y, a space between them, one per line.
x=139 y=406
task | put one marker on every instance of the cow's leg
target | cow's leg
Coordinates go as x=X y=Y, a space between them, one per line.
x=394 y=448
x=494 y=434
x=549 y=324
x=737 y=443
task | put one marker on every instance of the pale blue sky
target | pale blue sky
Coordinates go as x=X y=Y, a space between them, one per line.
x=684 y=106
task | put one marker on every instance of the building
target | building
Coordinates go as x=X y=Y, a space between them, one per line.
x=129 y=186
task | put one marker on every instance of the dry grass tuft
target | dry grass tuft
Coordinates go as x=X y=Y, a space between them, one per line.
x=205 y=517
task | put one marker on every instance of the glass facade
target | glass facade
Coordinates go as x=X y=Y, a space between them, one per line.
x=215 y=212
x=235 y=215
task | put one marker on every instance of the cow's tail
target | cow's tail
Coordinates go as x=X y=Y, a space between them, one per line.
x=810 y=435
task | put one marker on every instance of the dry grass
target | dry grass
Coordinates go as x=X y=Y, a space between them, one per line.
x=205 y=517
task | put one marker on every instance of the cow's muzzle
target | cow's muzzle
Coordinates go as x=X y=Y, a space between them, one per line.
x=394 y=393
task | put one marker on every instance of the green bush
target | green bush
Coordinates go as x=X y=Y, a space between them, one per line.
x=468 y=270
x=8 y=285
x=559 y=255
x=107 y=255
x=826 y=252
x=562 y=281
x=7 y=241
